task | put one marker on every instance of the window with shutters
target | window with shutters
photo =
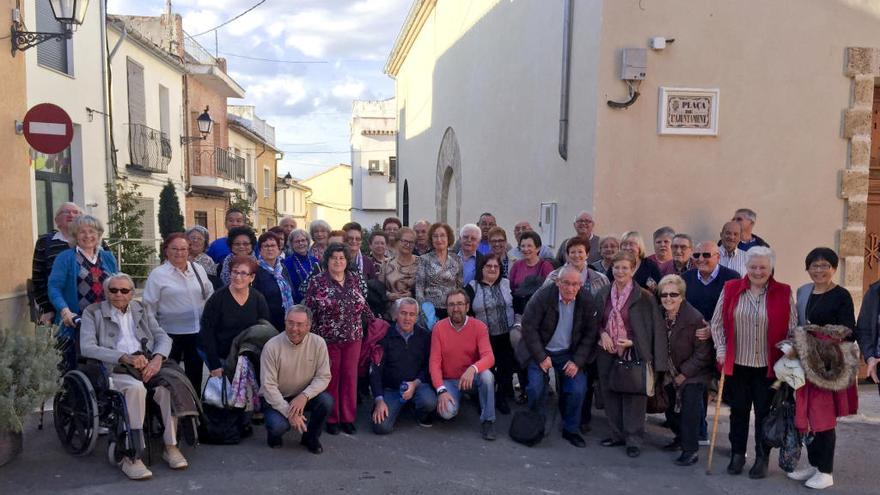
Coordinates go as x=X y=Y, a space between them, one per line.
x=392 y=169
x=266 y=188
x=53 y=54
x=137 y=107
x=201 y=218
x=164 y=111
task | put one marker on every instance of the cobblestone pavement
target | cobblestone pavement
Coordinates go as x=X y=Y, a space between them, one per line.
x=448 y=458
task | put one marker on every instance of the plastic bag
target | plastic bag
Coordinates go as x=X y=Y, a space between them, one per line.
x=217 y=392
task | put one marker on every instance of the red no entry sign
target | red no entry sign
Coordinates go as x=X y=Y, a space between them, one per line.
x=48 y=128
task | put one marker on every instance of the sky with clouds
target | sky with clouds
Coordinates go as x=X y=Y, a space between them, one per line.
x=346 y=43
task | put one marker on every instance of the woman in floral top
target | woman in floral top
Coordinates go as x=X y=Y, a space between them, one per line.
x=439 y=272
x=339 y=308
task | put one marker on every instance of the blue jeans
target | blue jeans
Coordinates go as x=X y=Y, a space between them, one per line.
x=424 y=401
x=571 y=397
x=484 y=384
x=318 y=408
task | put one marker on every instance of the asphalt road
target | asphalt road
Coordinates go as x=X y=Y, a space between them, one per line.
x=448 y=458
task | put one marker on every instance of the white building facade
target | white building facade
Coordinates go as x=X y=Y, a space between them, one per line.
x=373 y=161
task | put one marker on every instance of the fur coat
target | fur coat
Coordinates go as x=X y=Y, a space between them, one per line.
x=831 y=365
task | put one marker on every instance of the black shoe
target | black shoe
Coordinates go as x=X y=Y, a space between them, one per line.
x=258 y=419
x=737 y=461
x=333 y=428
x=759 y=468
x=574 y=439
x=348 y=428
x=275 y=442
x=633 y=451
x=312 y=444
x=674 y=446
x=501 y=405
x=427 y=421
x=610 y=442
x=521 y=399
x=687 y=459
x=586 y=428
x=487 y=430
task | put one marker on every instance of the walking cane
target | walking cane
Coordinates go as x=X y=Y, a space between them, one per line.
x=715 y=422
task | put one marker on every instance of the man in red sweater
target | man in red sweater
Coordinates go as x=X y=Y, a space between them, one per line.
x=461 y=359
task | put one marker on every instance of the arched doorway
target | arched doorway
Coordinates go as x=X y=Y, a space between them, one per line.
x=448 y=180
x=405 y=209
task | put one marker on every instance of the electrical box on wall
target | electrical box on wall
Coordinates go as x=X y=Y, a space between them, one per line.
x=634 y=64
x=547 y=224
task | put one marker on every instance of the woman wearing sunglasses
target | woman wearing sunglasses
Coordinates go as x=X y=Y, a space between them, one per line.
x=688 y=369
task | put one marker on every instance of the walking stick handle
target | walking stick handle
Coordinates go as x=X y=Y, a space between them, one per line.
x=715 y=422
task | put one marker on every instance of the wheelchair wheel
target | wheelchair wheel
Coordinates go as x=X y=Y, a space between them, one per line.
x=76 y=414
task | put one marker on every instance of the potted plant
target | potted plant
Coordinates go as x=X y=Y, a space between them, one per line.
x=28 y=377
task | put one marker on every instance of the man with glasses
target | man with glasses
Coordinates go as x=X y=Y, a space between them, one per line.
x=294 y=374
x=461 y=360
x=746 y=218
x=354 y=234
x=514 y=253
x=47 y=248
x=583 y=226
x=559 y=332
x=422 y=244
x=469 y=237
x=682 y=247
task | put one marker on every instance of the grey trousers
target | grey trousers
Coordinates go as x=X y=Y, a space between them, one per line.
x=625 y=412
x=136 y=402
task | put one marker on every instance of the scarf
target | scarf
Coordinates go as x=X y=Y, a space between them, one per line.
x=495 y=308
x=283 y=285
x=615 y=327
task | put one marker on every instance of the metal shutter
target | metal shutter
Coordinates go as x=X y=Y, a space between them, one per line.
x=52 y=53
x=137 y=106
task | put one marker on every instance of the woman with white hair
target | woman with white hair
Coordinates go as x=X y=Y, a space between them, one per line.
x=646 y=273
x=300 y=263
x=199 y=238
x=753 y=314
x=77 y=277
x=320 y=232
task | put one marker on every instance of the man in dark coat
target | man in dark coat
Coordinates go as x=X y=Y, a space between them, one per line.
x=559 y=332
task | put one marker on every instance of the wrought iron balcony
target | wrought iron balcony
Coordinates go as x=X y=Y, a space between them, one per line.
x=148 y=149
x=214 y=166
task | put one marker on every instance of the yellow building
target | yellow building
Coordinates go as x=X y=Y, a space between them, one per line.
x=291 y=199
x=331 y=196
x=17 y=222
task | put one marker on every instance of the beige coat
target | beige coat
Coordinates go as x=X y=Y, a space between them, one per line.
x=99 y=333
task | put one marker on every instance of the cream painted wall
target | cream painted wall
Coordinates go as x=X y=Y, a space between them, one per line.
x=779 y=67
x=492 y=72
x=331 y=196
x=156 y=73
x=74 y=93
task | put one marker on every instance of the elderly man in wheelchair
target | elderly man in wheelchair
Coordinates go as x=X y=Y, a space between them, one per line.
x=127 y=340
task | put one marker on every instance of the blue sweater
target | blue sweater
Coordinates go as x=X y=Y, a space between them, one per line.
x=62 y=280
x=705 y=297
x=218 y=250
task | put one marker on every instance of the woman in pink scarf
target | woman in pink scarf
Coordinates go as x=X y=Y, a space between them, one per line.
x=629 y=317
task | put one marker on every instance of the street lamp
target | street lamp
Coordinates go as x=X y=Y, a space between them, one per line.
x=70 y=13
x=204 y=123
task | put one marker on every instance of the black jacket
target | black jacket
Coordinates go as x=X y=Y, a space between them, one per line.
x=540 y=319
x=866 y=325
x=402 y=360
x=692 y=357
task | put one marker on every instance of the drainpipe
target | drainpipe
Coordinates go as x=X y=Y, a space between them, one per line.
x=568 y=8
x=110 y=164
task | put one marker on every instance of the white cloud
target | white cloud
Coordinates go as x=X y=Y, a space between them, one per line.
x=349 y=89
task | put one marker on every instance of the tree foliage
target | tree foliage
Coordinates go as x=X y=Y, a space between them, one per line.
x=28 y=374
x=126 y=223
x=170 y=219
x=239 y=200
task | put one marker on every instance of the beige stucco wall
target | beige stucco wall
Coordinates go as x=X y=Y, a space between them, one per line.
x=15 y=188
x=265 y=160
x=779 y=67
x=491 y=71
x=74 y=93
x=331 y=196
x=156 y=73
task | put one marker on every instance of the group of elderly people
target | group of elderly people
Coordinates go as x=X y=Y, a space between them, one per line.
x=465 y=317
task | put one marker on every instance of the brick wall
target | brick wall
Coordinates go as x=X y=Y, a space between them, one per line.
x=213 y=206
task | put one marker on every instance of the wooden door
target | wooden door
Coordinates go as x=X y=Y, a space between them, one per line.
x=872 y=224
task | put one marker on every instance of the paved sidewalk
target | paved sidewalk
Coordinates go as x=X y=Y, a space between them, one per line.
x=448 y=458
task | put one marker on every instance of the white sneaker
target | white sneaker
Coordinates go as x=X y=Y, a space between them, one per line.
x=135 y=469
x=802 y=474
x=704 y=443
x=820 y=481
x=174 y=457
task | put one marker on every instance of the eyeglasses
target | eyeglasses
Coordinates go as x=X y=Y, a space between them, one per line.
x=178 y=250
x=664 y=295
x=240 y=274
x=497 y=241
x=584 y=222
x=406 y=242
x=697 y=256
x=116 y=290
x=573 y=285
x=491 y=267
x=820 y=266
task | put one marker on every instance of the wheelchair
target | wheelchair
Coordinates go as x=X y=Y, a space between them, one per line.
x=85 y=403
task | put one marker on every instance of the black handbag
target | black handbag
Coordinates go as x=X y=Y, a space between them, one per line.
x=780 y=417
x=527 y=428
x=631 y=375
x=222 y=425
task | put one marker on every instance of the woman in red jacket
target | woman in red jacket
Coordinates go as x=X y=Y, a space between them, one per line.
x=753 y=314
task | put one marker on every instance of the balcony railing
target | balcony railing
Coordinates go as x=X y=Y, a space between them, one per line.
x=218 y=163
x=196 y=52
x=148 y=149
